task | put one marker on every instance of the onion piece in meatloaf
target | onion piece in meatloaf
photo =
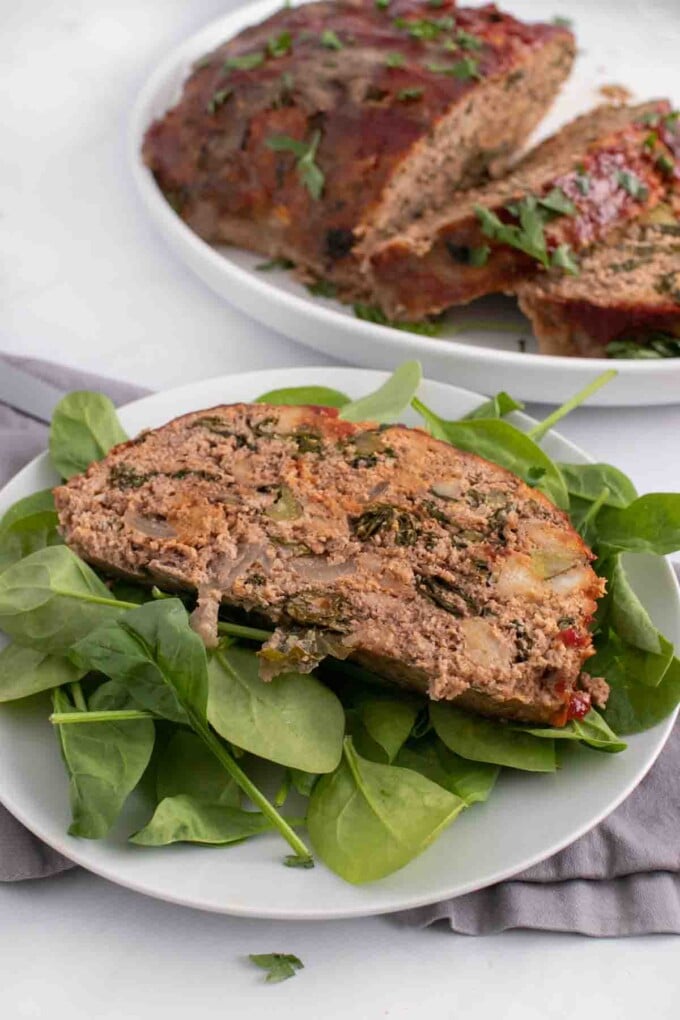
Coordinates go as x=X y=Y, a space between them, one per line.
x=329 y=119
x=592 y=177
x=429 y=565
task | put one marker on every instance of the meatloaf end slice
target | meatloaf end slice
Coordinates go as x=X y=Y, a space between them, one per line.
x=602 y=166
x=433 y=567
x=327 y=119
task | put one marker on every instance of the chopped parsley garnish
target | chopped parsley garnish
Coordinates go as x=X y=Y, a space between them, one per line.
x=218 y=99
x=435 y=3
x=651 y=119
x=563 y=258
x=395 y=59
x=279 y=966
x=475 y=257
x=280 y=263
x=654 y=346
x=370 y=313
x=631 y=183
x=309 y=173
x=582 y=182
x=529 y=235
x=322 y=288
x=409 y=95
x=330 y=40
x=467 y=41
x=665 y=164
x=279 y=45
x=463 y=69
x=651 y=140
x=247 y=62
x=556 y=201
x=382 y=4
x=561 y=22
x=425 y=28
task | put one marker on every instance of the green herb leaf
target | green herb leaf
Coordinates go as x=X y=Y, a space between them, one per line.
x=52 y=599
x=467 y=41
x=293 y=720
x=527 y=237
x=218 y=99
x=278 y=263
x=486 y=740
x=561 y=22
x=304 y=396
x=104 y=761
x=280 y=45
x=281 y=966
x=25 y=671
x=309 y=173
x=395 y=60
x=322 y=288
x=246 y=62
x=563 y=258
x=183 y=819
x=425 y=28
x=631 y=183
x=370 y=313
x=464 y=69
x=410 y=95
x=366 y=820
x=390 y=399
x=501 y=443
x=331 y=41
x=84 y=428
x=557 y=202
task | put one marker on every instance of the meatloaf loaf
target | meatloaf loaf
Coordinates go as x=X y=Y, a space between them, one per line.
x=303 y=132
x=594 y=175
x=428 y=565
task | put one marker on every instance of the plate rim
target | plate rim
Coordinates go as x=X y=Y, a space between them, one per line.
x=108 y=871
x=320 y=314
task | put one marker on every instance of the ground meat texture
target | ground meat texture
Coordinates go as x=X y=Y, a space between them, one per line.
x=432 y=566
x=609 y=164
x=401 y=103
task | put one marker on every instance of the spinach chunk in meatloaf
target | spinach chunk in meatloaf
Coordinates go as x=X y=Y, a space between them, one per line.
x=426 y=564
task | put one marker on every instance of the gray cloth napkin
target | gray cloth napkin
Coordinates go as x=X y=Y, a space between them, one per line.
x=622 y=878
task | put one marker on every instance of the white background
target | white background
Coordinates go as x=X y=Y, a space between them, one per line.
x=84 y=280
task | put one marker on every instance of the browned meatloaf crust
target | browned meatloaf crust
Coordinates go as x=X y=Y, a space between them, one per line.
x=602 y=163
x=432 y=566
x=396 y=104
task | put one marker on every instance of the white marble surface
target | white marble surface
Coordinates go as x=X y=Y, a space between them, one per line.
x=84 y=280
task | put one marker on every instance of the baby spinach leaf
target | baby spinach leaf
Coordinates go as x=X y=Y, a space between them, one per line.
x=367 y=820
x=627 y=615
x=543 y=427
x=27 y=535
x=586 y=481
x=649 y=524
x=183 y=819
x=634 y=706
x=33 y=504
x=292 y=720
x=154 y=653
x=105 y=761
x=385 y=724
x=186 y=766
x=52 y=599
x=496 y=407
x=25 y=671
x=303 y=782
x=487 y=740
x=390 y=399
x=503 y=444
x=279 y=966
x=84 y=428
x=472 y=781
x=304 y=396
x=592 y=730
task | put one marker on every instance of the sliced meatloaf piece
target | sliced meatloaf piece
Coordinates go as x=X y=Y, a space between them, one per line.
x=302 y=132
x=431 y=566
x=594 y=175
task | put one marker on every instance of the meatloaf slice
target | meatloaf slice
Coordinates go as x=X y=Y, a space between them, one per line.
x=595 y=174
x=431 y=566
x=298 y=135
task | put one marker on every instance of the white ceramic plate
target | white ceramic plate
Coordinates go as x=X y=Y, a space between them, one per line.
x=527 y=818
x=611 y=50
